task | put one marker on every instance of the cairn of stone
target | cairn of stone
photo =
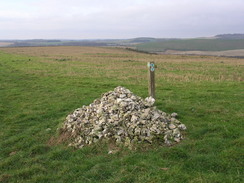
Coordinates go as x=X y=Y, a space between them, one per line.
x=121 y=116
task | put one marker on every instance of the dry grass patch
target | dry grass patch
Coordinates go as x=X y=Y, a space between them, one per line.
x=96 y=62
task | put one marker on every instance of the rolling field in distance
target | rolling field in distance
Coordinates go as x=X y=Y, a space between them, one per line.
x=3 y=44
x=40 y=86
x=228 y=53
x=194 y=46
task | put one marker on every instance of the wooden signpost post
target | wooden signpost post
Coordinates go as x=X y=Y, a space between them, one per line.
x=151 y=79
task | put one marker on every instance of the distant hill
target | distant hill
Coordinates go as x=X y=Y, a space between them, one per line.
x=192 y=45
x=230 y=36
x=92 y=42
x=221 y=42
x=142 y=40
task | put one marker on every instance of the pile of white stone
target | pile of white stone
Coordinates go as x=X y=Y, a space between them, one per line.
x=121 y=116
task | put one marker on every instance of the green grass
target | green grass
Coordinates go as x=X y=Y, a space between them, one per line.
x=192 y=45
x=39 y=88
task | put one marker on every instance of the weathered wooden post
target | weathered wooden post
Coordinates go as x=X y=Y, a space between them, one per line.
x=151 y=79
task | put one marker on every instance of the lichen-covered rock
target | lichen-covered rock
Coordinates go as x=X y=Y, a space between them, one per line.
x=123 y=117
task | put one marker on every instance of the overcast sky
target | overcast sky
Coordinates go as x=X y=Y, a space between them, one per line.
x=92 y=19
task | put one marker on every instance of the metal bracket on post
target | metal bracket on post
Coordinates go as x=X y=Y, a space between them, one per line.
x=151 y=79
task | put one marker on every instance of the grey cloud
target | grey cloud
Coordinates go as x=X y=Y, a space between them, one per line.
x=123 y=19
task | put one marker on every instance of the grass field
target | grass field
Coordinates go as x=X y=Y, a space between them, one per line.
x=192 y=45
x=40 y=86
